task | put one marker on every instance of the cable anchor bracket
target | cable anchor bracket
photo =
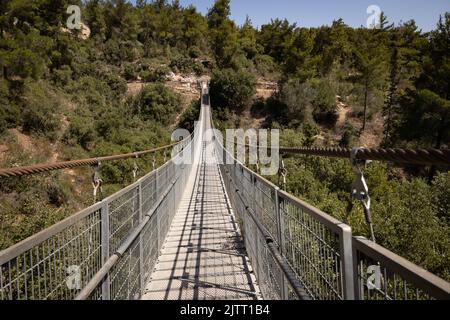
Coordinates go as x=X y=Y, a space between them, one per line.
x=96 y=180
x=135 y=167
x=360 y=190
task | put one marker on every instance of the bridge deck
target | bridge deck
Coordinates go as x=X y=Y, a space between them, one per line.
x=203 y=257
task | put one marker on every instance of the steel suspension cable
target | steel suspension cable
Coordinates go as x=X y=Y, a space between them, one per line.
x=406 y=156
x=45 y=167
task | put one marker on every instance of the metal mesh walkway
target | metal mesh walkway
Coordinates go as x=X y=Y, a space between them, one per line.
x=203 y=257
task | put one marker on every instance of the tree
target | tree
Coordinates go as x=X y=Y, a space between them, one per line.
x=371 y=66
x=195 y=28
x=423 y=113
x=247 y=39
x=332 y=44
x=437 y=65
x=405 y=45
x=425 y=118
x=219 y=13
x=223 y=33
x=95 y=18
x=299 y=61
x=156 y=102
x=274 y=36
x=231 y=89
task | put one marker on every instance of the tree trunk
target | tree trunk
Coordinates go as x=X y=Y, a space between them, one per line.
x=438 y=145
x=366 y=89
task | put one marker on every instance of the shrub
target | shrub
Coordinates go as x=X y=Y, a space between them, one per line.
x=189 y=117
x=130 y=72
x=232 y=89
x=4 y=95
x=40 y=114
x=158 y=74
x=91 y=92
x=3 y=123
x=156 y=102
x=349 y=137
x=26 y=63
x=324 y=102
x=80 y=132
x=441 y=195
x=62 y=76
x=186 y=65
x=194 y=52
x=265 y=65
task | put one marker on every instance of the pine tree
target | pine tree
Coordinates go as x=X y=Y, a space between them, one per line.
x=95 y=18
x=370 y=63
x=219 y=13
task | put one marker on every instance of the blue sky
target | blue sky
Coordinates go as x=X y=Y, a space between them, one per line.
x=313 y=13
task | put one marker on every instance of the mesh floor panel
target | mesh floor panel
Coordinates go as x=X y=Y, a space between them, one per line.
x=203 y=257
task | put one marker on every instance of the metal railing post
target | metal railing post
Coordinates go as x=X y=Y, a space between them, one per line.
x=346 y=252
x=141 y=245
x=157 y=212
x=105 y=248
x=280 y=228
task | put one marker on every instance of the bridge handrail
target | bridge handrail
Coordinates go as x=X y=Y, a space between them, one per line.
x=112 y=260
x=356 y=251
x=400 y=278
x=126 y=229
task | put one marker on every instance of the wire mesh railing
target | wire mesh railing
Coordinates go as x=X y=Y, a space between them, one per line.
x=327 y=262
x=310 y=243
x=318 y=247
x=105 y=251
x=383 y=275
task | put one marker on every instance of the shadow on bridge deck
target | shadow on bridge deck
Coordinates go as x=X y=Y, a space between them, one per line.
x=203 y=257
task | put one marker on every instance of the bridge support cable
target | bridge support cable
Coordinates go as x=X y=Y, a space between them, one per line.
x=424 y=157
x=46 y=167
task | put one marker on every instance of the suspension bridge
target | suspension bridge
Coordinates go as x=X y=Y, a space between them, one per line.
x=211 y=229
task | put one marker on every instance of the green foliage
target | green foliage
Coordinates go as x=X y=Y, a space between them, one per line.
x=186 y=65
x=80 y=132
x=441 y=195
x=194 y=52
x=274 y=37
x=3 y=123
x=324 y=101
x=62 y=76
x=231 y=89
x=422 y=115
x=297 y=97
x=265 y=66
x=410 y=217
x=4 y=99
x=40 y=110
x=156 y=102
x=425 y=118
x=190 y=116
x=130 y=72
x=349 y=137
x=219 y=13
